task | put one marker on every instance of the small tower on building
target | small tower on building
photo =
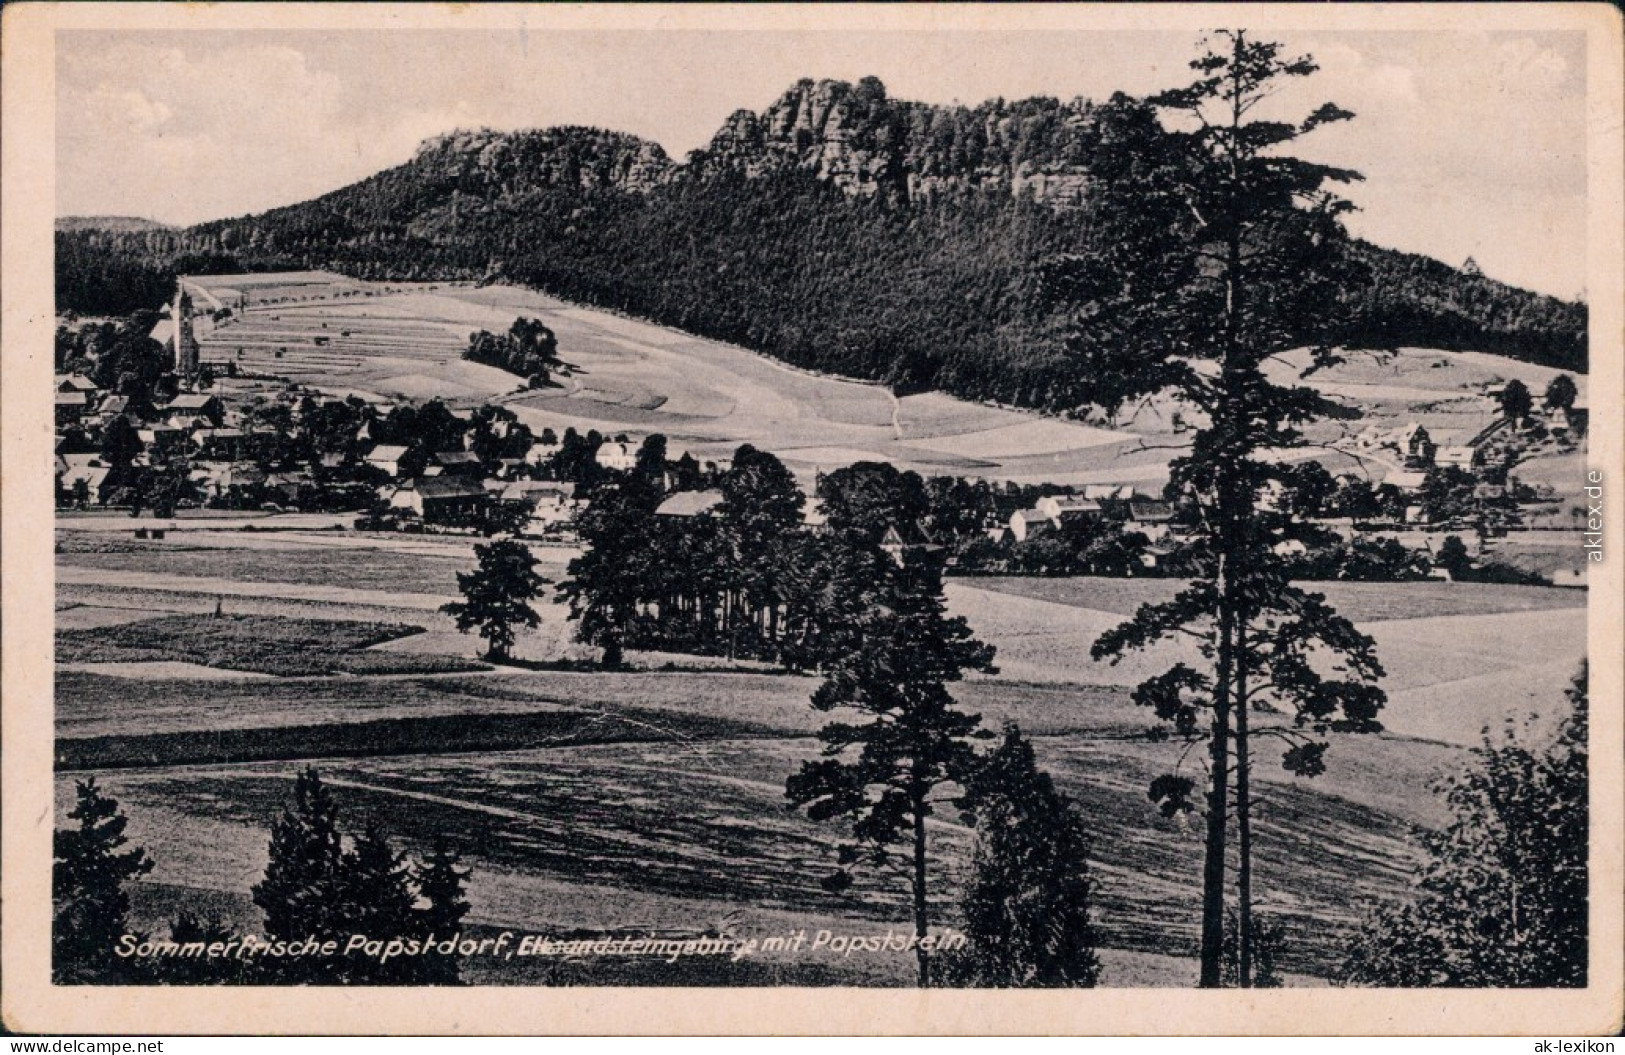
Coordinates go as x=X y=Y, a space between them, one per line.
x=185 y=341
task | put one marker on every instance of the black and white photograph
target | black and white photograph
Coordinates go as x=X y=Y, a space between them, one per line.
x=829 y=505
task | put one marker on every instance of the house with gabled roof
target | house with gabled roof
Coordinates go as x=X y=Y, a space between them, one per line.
x=71 y=407
x=459 y=463
x=90 y=469
x=435 y=497
x=900 y=538
x=387 y=456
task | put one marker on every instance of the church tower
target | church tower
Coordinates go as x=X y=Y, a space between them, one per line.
x=185 y=342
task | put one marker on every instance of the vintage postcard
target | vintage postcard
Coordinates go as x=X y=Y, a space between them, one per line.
x=813 y=519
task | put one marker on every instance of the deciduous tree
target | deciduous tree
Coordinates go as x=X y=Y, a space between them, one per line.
x=1503 y=896
x=1027 y=905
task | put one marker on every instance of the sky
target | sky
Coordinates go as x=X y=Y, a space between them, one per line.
x=1471 y=144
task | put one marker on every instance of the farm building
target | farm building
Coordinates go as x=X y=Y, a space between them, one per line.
x=1063 y=508
x=690 y=504
x=189 y=408
x=1025 y=523
x=898 y=539
x=1150 y=516
x=72 y=469
x=165 y=437
x=439 y=496
x=74 y=383
x=459 y=463
x=219 y=444
x=70 y=407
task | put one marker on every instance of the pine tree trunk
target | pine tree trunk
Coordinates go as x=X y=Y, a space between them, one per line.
x=1244 y=837
x=1212 y=976
x=920 y=910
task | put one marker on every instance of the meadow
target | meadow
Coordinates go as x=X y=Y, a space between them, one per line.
x=652 y=799
x=397 y=341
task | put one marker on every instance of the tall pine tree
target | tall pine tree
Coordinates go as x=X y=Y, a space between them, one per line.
x=910 y=738
x=1228 y=261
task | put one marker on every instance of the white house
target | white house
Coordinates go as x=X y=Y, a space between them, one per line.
x=617 y=456
x=387 y=456
x=1025 y=523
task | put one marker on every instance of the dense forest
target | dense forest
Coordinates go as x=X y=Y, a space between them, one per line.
x=840 y=230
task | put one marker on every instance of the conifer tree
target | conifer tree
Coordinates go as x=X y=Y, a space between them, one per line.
x=1228 y=261
x=497 y=595
x=910 y=739
x=1027 y=904
x=302 y=889
x=440 y=882
x=87 y=890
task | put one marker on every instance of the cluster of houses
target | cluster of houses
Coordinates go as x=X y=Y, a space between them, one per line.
x=1118 y=502
x=216 y=444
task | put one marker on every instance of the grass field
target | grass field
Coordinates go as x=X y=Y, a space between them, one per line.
x=599 y=801
x=404 y=341
x=258 y=643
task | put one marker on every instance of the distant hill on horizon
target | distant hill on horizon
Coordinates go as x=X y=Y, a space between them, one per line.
x=839 y=230
x=121 y=224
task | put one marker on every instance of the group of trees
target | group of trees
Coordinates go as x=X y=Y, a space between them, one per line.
x=318 y=884
x=528 y=349
x=900 y=751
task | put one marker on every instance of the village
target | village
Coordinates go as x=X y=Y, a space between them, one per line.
x=152 y=426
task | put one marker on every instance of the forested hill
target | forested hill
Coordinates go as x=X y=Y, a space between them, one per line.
x=121 y=224
x=839 y=230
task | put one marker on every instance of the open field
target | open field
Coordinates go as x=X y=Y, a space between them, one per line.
x=653 y=799
x=1489 y=654
x=404 y=341
x=705 y=827
x=256 y=643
